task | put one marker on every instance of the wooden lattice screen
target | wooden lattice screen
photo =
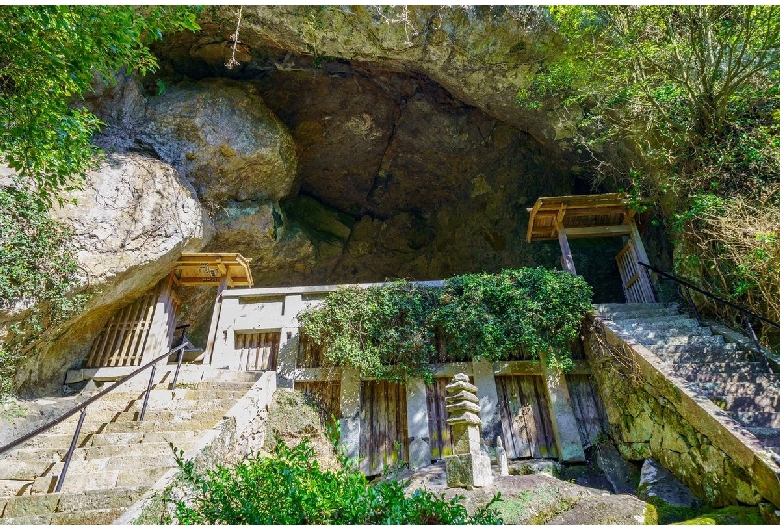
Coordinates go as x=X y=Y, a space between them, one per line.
x=636 y=281
x=258 y=350
x=142 y=329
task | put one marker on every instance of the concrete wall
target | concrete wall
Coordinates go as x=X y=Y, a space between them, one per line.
x=276 y=309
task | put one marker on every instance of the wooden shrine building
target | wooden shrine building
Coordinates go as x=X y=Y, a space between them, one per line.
x=144 y=329
x=574 y=216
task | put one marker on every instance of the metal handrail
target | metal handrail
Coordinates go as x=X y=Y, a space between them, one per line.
x=82 y=407
x=745 y=312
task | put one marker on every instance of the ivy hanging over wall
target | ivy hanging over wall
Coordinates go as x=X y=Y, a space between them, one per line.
x=394 y=331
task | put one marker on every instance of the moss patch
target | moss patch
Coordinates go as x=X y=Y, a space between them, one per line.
x=729 y=515
x=661 y=513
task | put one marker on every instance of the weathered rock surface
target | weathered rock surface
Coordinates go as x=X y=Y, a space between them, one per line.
x=619 y=473
x=482 y=55
x=660 y=483
x=133 y=219
x=222 y=137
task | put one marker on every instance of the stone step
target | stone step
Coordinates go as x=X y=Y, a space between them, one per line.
x=738 y=389
x=70 y=502
x=116 y=463
x=11 y=488
x=671 y=333
x=702 y=361
x=656 y=322
x=172 y=415
x=683 y=369
x=731 y=378
x=44 y=454
x=192 y=394
x=766 y=435
x=11 y=469
x=758 y=419
x=672 y=349
x=683 y=340
x=142 y=477
x=154 y=426
x=182 y=439
x=222 y=405
x=208 y=385
x=746 y=403
x=610 y=310
x=94 y=423
x=87 y=517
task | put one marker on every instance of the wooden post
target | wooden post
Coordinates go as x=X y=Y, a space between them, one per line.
x=564 y=422
x=223 y=282
x=567 y=260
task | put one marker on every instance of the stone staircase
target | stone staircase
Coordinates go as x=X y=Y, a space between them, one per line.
x=117 y=457
x=734 y=378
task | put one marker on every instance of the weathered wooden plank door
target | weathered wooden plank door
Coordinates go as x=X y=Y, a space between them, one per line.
x=439 y=432
x=258 y=351
x=325 y=395
x=587 y=408
x=309 y=354
x=525 y=417
x=383 y=432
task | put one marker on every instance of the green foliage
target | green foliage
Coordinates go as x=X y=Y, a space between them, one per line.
x=290 y=488
x=679 y=103
x=395 y=331
x=492 y=316
x=381 y=331
x=49 y=57
x=37 y=269
x=36 y=256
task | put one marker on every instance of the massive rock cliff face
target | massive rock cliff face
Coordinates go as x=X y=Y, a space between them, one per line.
x=131 y=222
x=347 y=145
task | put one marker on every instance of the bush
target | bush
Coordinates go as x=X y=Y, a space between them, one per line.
x=38 y=269
x=394 y=331
x=290 y=488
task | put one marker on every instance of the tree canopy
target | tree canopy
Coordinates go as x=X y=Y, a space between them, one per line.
x=681 y=103
x=668 y=78
x=49 y=57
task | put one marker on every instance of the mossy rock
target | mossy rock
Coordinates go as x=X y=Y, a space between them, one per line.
x=661 y=513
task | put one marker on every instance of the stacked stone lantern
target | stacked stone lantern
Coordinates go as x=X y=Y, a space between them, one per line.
x=467 y=467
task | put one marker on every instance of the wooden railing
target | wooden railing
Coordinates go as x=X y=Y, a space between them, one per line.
x=82 y=407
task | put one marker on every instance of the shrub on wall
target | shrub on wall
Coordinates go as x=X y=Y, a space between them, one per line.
x=394 y=331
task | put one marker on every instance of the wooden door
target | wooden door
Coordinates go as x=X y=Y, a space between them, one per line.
x=325 y=395
x=525 y=417
x=383 y=431
x=587 y=407
x=439 y=432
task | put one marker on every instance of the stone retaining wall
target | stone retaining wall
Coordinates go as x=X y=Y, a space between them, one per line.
x=651 y=413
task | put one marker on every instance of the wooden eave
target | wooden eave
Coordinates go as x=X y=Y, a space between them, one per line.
x=207 y=269
x=580 y=216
